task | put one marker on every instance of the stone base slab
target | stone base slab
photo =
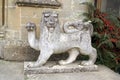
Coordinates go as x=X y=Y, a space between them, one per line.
x=104 y=73
x=53 y=67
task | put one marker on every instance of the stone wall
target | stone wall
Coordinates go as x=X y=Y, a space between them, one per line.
x=16 y=46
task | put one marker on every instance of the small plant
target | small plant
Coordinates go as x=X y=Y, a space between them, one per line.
x=106 y=37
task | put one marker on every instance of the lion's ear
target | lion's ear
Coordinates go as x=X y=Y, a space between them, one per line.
x=44 y=13
x=56 y=13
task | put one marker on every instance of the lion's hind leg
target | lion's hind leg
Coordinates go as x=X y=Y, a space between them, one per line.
x=92 y=57
x=73 y=53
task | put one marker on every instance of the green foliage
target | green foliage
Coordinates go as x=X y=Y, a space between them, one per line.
x=113 y=18
x=106 y=36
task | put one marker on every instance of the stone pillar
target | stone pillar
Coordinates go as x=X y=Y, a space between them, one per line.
x=1 y=12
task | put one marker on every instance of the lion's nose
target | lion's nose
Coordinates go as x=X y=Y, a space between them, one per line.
x=51 y=23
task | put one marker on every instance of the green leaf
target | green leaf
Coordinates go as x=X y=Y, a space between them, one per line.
x=86 y=14
x=118 y=44
x=108 y=43
x=97 y=35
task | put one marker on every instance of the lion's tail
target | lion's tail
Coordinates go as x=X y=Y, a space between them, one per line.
x=90 y=27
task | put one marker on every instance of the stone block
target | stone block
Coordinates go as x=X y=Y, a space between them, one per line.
x=66 y=9
x=14 y=18
x=12 y=34
x=39 y=3
x=31 y=12
x=19 y=51
x=52 y=67
x=24 y=33
x=103 y=73
x=25 y=20
x=0 y=13
x=11 y=2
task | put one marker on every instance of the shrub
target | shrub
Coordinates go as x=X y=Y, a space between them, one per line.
x=106 y=36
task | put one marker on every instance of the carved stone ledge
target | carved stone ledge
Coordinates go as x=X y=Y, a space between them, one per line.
x=1 y=49
x=2 y=35
x=39 y=3
x=53 y=67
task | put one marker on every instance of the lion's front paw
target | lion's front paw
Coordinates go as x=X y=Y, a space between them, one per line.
x=62 y=62
x=87 y=63
x=33 y=65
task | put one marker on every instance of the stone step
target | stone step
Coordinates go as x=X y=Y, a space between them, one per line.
x=53 y=67
x=103 y=73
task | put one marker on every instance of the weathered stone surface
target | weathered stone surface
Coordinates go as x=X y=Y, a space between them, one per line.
x=1 y=13
x=39 y=3
x=2 y=34
x=20 y=51
x=52 y=67
x=15 y=71
x=11 y=70
x=13 y=18
x=75 y=40
x=1 y=49
x=16 y=18
x=103 y=73
x=12 y=34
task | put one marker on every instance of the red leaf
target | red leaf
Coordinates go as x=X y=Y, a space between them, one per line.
x=113 y=40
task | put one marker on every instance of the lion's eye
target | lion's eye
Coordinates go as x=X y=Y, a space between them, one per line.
x=56 y=19
x=55 y=15
x=46 y=15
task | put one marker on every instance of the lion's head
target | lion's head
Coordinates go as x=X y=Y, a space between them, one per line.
x=50 y=20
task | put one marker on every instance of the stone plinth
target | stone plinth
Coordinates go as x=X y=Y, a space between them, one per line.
x=53 y=67
x=103 y=73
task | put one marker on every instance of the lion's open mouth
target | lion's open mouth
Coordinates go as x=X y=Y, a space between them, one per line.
x=30 y=30
x=51 y=29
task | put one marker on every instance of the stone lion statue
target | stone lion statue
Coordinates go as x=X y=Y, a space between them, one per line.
x=53 y=41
